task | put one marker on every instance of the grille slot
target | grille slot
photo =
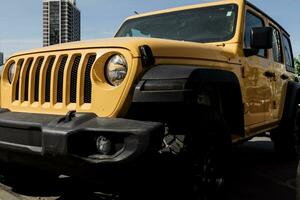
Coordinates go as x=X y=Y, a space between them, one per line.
x=37 y=79
x=87 y=80
x=48 y=79
x=73 y=83
x=18 y=80
x=66 y=75
x=27 y=79
x=60 y=79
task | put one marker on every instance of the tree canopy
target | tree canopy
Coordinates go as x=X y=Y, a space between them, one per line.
x=297 y=65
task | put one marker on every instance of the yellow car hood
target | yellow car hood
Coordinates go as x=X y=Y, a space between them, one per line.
x=161 y=48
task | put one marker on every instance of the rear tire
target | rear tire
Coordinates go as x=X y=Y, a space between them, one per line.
x=286 y=139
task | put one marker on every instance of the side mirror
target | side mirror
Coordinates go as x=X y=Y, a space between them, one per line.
x=260 y=38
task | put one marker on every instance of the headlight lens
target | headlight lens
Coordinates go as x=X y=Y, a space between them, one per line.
x=116 y=70
x=11 y=72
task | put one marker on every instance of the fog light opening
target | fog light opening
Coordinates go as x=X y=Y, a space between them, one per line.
x=103 y=145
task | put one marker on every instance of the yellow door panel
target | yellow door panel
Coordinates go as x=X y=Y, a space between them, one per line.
x=258 y=90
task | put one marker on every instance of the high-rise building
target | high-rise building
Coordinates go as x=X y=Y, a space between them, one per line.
x=61 y=21
x=1 y=58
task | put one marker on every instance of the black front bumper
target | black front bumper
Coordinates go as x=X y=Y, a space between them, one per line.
x=67 y=143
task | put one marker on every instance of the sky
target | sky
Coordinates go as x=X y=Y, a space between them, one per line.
x=21 y=20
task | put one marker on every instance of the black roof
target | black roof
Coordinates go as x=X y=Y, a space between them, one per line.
x=266 y=15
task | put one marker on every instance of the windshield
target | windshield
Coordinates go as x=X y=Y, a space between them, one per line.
x=209 y=24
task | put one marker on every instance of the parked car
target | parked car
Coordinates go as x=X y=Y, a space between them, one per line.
x=185 y=83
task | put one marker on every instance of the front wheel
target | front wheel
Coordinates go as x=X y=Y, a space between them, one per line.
x=201 y=161
x=209 y=164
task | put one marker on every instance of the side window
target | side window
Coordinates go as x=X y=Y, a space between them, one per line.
x=277 y=47
x=288 y=55
x=253 y=21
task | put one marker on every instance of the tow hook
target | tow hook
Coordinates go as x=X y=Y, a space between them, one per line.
x=69 y=116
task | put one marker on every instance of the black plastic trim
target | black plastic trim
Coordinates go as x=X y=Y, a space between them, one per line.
x=50 y=135
x=146 y=56
x=163 y=83
x=291 y=102
x=179 y=84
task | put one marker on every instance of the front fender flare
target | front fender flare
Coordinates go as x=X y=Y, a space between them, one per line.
x=178 y=83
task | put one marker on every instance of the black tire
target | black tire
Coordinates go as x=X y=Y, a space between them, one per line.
x=286 y=139
x=199 y=161
x=194 y=159
x=298 y=183
x=209 y=157
x=192 y=166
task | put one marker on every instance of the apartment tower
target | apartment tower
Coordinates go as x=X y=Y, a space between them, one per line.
x=61 y=22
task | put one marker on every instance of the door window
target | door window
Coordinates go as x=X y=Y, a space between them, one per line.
x=277 y=48
x=288 y=55
x=253 y=21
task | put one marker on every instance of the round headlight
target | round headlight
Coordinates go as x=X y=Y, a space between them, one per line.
x=11 y=72
x=116 y=70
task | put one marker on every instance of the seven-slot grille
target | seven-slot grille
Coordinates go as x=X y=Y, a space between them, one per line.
x=64 y=64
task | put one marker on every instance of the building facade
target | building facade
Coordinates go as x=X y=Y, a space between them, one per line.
x=1 y=58
x=61 y=22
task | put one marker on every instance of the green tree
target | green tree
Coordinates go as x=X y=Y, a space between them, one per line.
x=297 y=65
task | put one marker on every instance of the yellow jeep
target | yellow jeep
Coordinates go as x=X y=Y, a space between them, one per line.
x=187 y=82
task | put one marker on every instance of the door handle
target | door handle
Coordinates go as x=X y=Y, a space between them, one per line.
x=284 y=77
x=269 y=74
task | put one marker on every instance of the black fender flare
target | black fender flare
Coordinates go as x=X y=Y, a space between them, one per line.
x=177 y=83
x=292 y=99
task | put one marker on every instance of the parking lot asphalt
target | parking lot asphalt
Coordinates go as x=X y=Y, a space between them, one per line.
x=256 y=172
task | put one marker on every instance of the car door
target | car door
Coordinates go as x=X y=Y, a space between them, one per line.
x=257 y=76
